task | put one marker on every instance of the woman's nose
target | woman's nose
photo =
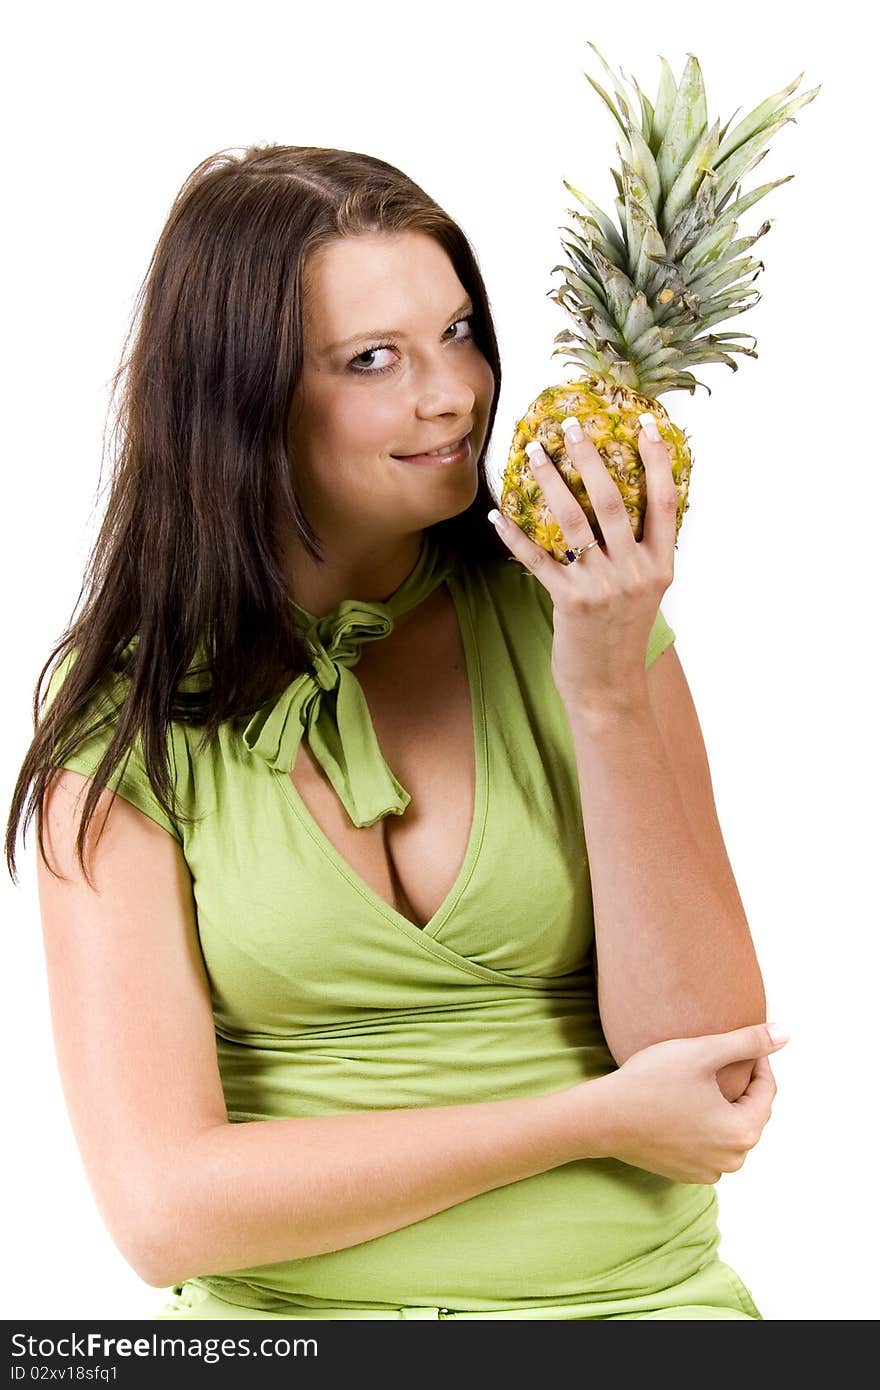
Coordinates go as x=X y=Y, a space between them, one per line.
x=446 y=391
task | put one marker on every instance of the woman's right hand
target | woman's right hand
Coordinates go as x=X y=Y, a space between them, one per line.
x=662 y=1110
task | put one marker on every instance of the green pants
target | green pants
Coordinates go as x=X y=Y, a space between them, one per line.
x=715 y=1291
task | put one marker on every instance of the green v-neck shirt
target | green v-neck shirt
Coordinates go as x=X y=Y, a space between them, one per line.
x=326 y=1000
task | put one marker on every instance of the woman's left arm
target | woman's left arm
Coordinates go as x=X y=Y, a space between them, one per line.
x=673 y=952
x=674 y=956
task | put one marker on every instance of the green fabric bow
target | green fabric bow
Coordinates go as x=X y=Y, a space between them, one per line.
x=327 y=703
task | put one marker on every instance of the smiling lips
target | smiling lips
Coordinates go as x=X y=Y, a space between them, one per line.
x=458 y=448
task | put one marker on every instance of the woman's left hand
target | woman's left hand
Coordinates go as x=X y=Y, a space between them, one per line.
x=605 y=602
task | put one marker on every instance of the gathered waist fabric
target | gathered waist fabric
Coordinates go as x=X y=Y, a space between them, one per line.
x=713 y=1291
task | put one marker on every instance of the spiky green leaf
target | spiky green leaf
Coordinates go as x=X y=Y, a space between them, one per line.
x=607 y=100
x=728 y=311
x=618 y=288
x=695 y=220
x=755 y=120
x=708 y=248
x=612 y=235
x=663 y=355
x=667 y=91
x=639 y=320
x=622 y=95
x=710 y=341
x=730 y=168
x=727 y=275
x=643 y=165
x=743 y=204
x=657 y=384
x=686 y=124
x=650 y=243
x=596 y=233
x=683 y=191
x=647 y=116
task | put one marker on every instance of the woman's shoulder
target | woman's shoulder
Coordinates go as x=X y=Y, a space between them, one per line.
x=90 y=729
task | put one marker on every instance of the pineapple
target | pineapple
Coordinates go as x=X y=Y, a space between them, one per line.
x=640 y=298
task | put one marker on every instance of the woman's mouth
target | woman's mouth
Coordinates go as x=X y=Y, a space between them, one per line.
x=440 y=458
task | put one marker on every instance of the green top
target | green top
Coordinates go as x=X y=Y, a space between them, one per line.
x=327 y=1000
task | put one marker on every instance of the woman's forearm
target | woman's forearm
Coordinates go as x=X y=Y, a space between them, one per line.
x=674 y=952
x=270 y=1190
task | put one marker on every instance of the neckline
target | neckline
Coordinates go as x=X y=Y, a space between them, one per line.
x=480 y=808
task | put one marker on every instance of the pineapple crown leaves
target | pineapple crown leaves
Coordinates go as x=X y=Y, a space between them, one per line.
x=640 y=296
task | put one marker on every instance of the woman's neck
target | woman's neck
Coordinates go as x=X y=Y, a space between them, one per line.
x=371 y=573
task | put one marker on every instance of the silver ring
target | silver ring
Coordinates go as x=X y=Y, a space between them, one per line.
x=575 y=554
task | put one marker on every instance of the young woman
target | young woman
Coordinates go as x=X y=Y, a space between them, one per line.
x=408 y=976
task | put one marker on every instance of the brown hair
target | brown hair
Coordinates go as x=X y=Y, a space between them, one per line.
x=184 y=556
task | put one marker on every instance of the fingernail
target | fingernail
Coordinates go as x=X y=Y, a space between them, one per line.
x=496 y=518
x=571 y=428
x=649 y=425
x=778 y=1032
x=534 y=451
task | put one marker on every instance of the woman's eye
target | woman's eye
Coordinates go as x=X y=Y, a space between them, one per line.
x=387 y=347
x=370 y=352
x=468 y=319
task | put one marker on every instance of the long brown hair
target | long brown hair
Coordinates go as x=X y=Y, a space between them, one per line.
x=185 y=565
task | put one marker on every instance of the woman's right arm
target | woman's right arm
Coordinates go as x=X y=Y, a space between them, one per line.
x=184 y=1192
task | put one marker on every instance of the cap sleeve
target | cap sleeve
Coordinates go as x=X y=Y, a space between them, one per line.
x=660 y=637
x=129 y=778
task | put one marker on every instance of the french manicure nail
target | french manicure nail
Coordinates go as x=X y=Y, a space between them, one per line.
x=778 y=1032
x=649 y=425
x=571 y=428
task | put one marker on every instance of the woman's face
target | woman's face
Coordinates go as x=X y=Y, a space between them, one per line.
x=359 y=406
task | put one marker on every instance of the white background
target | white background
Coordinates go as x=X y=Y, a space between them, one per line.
x=107 y=108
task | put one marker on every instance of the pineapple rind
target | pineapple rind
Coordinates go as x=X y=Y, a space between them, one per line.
x=609 y=415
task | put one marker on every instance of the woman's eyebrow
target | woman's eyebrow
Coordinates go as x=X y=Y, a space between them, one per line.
x=465 y=308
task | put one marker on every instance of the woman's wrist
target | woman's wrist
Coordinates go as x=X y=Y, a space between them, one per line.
x=580 y=1119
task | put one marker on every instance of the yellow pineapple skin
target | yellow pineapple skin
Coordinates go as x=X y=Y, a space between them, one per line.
x=609 y=415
